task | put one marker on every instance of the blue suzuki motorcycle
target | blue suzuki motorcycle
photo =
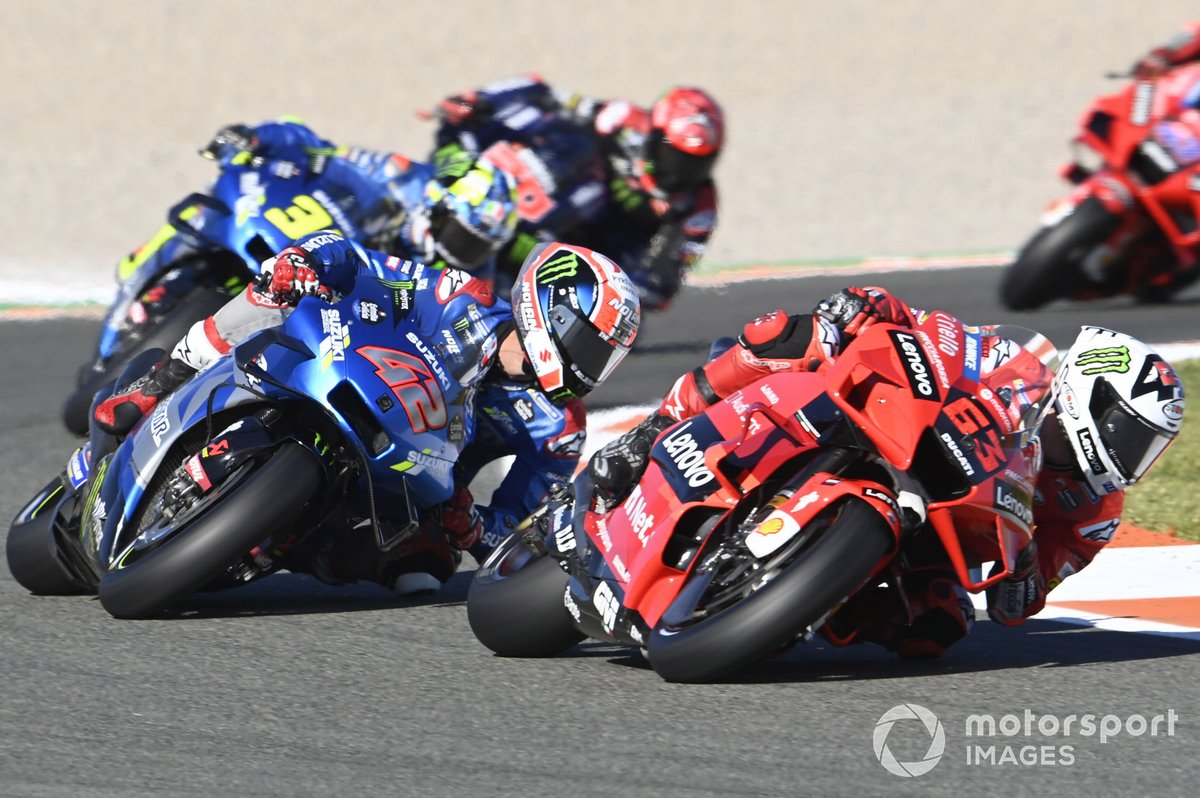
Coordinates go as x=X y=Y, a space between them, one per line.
x=211 y=246
x=341 y=417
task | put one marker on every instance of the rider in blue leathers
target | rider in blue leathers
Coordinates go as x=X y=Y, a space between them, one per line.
x=398 y=198
x=533 y=413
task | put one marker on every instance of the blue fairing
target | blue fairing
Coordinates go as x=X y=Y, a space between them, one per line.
x=252 y=211
x=361 y=360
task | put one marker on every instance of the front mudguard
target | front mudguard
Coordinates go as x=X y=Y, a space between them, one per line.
x=43 y=554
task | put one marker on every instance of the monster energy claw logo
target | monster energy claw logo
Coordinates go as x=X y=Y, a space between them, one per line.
x=566 y=265
x=1114 y=360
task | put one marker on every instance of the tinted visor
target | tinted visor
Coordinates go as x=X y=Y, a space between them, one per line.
x=587 y=356
x=460 y=245
x=675 y=170
x=1132 y=443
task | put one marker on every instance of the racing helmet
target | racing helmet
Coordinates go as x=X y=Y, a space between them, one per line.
x=577 y=314
x=687 y=129
x=472 y=207
x=1120 y=405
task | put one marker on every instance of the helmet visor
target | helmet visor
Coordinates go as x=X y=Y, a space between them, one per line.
x=460 y=245
x=675 y=170
x=588 y=354
x=1131 y=442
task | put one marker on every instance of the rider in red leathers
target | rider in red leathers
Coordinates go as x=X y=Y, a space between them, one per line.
x=1105 y=431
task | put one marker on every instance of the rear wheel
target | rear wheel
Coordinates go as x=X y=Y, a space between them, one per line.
x=31 y=550
x=1048 y=266
x=516 y=603
x=240 y=513
x=741 y=609
x=163 y=333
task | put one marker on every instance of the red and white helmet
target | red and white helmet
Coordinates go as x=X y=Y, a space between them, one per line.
x=577 y=314
x=1120 y=404
x=687 y=130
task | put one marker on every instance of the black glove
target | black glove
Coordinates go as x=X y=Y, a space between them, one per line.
x=229 y=142
x=620 y=462
x=854 y=309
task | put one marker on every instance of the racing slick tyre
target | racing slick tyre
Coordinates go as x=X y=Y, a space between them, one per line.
x=31 y=550
x=515 y=604
x=1048 y=266
x=706 y=635
x=164 y=333
x=237 y=515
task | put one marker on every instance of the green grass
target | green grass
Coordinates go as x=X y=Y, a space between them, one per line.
x=1168 y=499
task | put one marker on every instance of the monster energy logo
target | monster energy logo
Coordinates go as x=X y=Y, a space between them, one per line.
x=565 y=265
x=452 y=161
x=1114 y=360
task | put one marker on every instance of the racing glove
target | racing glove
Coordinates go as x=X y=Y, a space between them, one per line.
x=290 y=277
x=853 y=310
x=229 y=142
x=458 y=109
x=1019 y=595
x=1152 y=64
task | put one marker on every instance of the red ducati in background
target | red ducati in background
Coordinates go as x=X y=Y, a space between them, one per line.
x=1131 y=225
x=755 y=520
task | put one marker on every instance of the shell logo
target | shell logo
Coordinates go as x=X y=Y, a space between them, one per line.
x=771 y=526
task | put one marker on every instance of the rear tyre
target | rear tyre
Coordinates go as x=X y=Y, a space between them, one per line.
x=515 y=604
x=271 y=498
x=1048 y=266
x=823 y=572
x=31 y=550
x=200 y=302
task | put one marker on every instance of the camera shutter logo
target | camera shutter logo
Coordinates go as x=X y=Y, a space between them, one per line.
x=937 y=742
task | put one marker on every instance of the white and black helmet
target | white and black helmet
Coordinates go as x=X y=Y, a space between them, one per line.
x=1120 y=404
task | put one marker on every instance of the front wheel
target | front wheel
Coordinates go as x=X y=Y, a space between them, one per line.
x=516 y=603
x=1048 y=266
x=744 y=614
x=270 y=498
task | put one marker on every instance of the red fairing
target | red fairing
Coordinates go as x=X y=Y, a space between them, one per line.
x=898 y=386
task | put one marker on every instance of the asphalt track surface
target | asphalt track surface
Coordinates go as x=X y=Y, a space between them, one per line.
x=290 y=688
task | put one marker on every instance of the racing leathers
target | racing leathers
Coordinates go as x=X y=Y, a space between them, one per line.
x=1071 y=522
x=459 y=316
x=614 y=203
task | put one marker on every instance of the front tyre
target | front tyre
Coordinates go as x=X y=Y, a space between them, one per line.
x=1048 y=266
x=836 y=561
x=31 y=550
x=271 y=498
x=515 y=604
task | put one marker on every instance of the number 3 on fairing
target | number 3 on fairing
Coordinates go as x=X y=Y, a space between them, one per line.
x=304 y=216
x=412 y=383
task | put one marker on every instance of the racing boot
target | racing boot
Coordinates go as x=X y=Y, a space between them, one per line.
x=121 y=412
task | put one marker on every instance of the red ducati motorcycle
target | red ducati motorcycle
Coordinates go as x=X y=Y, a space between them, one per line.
x=755 y=520
x=1130 y=226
